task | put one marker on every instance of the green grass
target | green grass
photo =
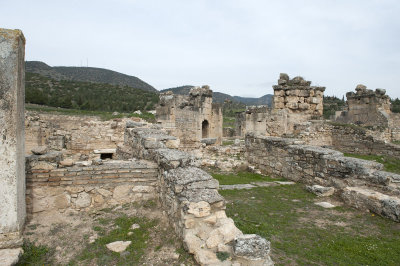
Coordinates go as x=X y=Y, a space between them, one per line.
x=390 y=164
x=397 y=142
x=35 y=255
x=228 y=121
x=227 y=142
x=241 y=178
x=103 y=115
x=305 y=234
x=117 y=230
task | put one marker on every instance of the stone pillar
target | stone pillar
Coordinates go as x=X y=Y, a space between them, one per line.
x=12 y=152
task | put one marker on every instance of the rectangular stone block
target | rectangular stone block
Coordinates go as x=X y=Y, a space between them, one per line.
x=12 y=150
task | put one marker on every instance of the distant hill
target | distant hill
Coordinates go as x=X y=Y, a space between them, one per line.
x=87 y=74
x=86 y=95
x=220 y=97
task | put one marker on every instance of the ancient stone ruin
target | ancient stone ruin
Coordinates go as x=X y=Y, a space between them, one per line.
x=194 y=119
x=370 y=108
x=84 y=164
x=295 y=101
x=12 y=152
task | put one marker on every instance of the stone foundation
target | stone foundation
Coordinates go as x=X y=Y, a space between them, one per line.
x=52 y=187
x=191 y=200
x=360 y=183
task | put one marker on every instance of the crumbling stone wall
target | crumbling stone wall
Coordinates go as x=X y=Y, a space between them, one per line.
x=366 y=107
x=12 y=170
x=77 y=135
x=295 y=101
x=359 y=183
x=54 y=187
x=191 y=118
x=347 y=138
x=298 y=96
x=191 y=200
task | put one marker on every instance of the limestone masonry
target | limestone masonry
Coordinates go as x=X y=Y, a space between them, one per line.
x=12 y=107
x=193 y=119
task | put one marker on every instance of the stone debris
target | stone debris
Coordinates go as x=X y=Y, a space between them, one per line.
x=237 y=186
x=285 y=182
x=118 y=246
x=135 y=226
x=9 y=257
x=325 y=204
x=252 y=247
x=39 y=150
x=93 y=238
x=321 y=191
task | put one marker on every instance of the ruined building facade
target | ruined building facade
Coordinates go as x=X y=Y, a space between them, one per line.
x=193 y=119
x=368 y=108
x=295 y=101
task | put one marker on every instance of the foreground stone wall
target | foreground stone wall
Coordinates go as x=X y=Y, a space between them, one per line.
x=360 y=183
x=12 y=171
x=77 y=134
x=191 y=200
x=52 y=187
x=191 y=118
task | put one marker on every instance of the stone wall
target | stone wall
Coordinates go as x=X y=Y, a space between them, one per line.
x=359 y=183
x=191 y=118
x=347 y=138
x=78 y=135
x=12 y=105
x=366 y=107
x=191 y=200
x=298 y=96
x=53 y=187
x=295 y=101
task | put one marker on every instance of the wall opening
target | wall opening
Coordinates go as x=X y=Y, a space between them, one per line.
x=205 y=129
x=105 y=156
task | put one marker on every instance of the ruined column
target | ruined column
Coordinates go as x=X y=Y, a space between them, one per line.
x=12 y=152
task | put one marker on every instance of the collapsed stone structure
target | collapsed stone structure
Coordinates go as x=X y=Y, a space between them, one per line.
x=12 y=167
x=295 y=101
x=370 y=108
x=77 y=136
x=194 y=119
x=359 y=183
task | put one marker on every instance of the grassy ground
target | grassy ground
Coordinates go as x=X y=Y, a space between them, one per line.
x=103 y=115
x=241 y=178
x=396 y=142
x=390 y=164
x=302 y=233
x=229 y=121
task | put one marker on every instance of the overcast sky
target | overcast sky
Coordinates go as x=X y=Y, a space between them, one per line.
x=237 y=47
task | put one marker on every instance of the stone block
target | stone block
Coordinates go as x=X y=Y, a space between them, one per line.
x=12 y=133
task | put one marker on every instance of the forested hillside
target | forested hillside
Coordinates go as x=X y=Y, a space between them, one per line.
x=87 y=74
x=86 y=95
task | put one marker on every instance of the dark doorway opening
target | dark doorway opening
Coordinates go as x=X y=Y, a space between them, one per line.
x=204 y=129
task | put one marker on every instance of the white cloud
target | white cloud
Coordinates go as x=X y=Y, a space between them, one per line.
x=237 y=46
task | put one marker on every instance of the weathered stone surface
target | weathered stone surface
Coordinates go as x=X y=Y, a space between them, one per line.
x=321 y=191
x=209 y=141
x=252 y=247
x=122 y=192
x=199 y=209
x=84 y=200
x=9 y=257
x=118 y=246
x=325 y=204
x=39 y=150
x=12 y=108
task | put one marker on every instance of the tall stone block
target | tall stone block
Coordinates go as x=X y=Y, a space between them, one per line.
x=12 y=152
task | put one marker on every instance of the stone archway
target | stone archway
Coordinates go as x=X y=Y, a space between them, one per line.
x=205 y=128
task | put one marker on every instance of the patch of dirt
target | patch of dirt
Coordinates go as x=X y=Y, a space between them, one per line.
x=70 y=232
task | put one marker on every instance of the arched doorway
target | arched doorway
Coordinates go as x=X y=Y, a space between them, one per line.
x=204 y=129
